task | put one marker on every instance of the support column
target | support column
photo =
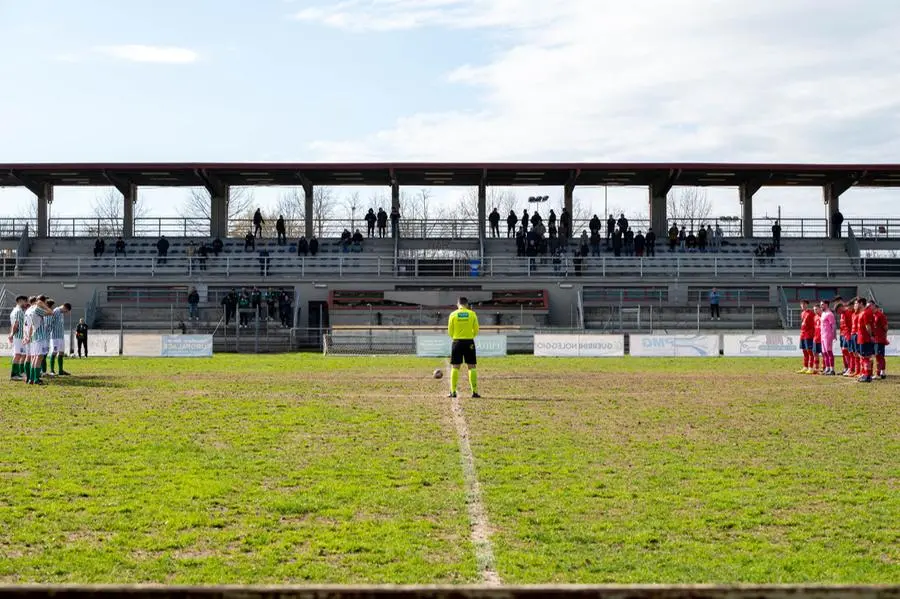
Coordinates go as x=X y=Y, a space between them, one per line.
x=746 y=197
x=44 y=199
x=831 y=193
x=569 y=205
x=129 y=199
x=658 y=214
x=309 y=215
x=482 y=209
x=218 y=221
x=395 y=196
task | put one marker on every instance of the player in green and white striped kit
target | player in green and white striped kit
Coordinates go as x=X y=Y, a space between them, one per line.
x=16 y=334
x=36 y=337
x=56 y=324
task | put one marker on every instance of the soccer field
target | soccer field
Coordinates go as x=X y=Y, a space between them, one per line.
x=302 y=468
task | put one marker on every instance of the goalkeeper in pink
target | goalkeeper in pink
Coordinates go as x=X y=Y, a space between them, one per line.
x=828 y=335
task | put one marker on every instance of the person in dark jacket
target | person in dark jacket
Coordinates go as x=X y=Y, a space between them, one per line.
x=371 y=219
x=249 y=242
x=81 y=337
x=650 y=242
x=382 y=219
x=629 y=242
x=193 y=300
x=120 y=247
x=610 y=227
x=494 y=221
x=302 y=247
x=258 y=223
x=217 y=247
x=313 y=247
x=229 y=303
x=162 y=249
x=99 y=247
x=511 y=222
x=639 y=244
x=281 y=230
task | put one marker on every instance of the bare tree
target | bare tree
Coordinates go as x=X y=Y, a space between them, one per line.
x=324 y=205
x=198 y=205
x=420 y=217
x=108 y=210
x=503 y=200
x=688 y=206
x=352 y=204
x=292 y=205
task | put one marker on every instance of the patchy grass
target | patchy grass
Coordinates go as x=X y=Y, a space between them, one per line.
x=312 y=469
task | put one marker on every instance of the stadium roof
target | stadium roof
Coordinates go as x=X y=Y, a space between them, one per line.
x=496 y=174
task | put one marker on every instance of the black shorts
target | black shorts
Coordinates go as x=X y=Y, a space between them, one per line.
x=462 y=350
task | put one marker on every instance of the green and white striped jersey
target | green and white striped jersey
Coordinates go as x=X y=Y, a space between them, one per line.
x=17 y=316
x=34 y=319
x=56 y=324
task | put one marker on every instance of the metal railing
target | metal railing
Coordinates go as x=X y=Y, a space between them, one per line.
x=852 y=244
x=24 y=243
x=349 y=266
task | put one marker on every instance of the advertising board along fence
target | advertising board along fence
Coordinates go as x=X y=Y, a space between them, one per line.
x=438 y=346
x=780 y=344
x=679 y=346
x=575 y=346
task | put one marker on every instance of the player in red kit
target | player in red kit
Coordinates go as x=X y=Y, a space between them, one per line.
x=807 y=337
x=880 y=335
x=865 y=340
x=854 y=333
x=843 y=314
x=817 y=339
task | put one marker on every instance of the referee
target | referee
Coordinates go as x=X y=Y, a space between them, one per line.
x=463 y=328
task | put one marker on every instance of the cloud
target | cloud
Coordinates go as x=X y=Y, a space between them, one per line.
x=806 y=80
x=158 y=54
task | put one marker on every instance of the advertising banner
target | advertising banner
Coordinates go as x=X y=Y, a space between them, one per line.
x=438 y=346
x=141 y=345
x=764 y=344
x=187 y=346
x=681 y=346
x=574 y=346
x=101 y=343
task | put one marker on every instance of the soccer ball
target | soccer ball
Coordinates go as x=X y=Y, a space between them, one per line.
x=438 y=373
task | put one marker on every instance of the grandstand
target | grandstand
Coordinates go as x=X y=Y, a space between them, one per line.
x=412 y=278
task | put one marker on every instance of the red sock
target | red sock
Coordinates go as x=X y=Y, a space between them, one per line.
x=881 y=363
x=806 y=358
x=845 y=359
x=818 y=361
x=853 y=364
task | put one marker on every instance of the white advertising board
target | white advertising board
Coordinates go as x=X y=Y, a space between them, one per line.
x=680 y=346
x=764 y=344
x=187 y=346
x=140 y=345
x=438 y=346
x=574 y=346
x=101 y=343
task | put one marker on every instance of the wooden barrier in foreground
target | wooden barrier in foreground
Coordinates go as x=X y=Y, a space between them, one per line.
x=453 y=592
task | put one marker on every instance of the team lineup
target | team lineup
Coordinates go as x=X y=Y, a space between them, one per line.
x=863 y=330
x=37 y=330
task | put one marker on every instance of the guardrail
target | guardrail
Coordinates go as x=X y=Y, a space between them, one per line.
x=693 y=266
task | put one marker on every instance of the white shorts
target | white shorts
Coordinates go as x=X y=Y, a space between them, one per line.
x=18 y=347
x=58 y=345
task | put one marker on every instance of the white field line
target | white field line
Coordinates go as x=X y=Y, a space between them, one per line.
x=481 y=529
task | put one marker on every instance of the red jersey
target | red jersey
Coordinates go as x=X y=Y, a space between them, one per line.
x=817 y=338
x=866 y=322
x=854 y=323
x=807 y=324
x=880 y=328
x=846 y=323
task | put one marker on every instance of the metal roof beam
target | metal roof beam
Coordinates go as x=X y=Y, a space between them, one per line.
x=842 y=185
x=212 y=183
x=27 y=182
x=573 y=178
x=664 y=185
x=305 y=181
x=121 y=183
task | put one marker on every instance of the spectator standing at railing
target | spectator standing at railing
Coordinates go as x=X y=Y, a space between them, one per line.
x=837 y=220
x=682 y=239
x=217 y=247
x=714 y=313
x=494 y=221
x=302 y=247
x=610 y=228
x=650 y=242
x=99 y=247
x=524 y=221
x=193 y=301
x=511 y=222
x=690 y=242
x=120 y=247
x=190 y=252
x=585 y=243
x=162 y=249
x=395 y=222
x=81 y=337
x=280 y=230
x=371 y=219
x=272 y=302
x=595 y=243
x=776 y=236
x=258 y=223
x=551 y=219
x=710 y=238
x=382 y=219
x=285 y=309
x=595 y=225
x=536 y=219
x=202 y=255
x=622 y=223
x=357 y=245
x=313 y=246
x=673 y=237
x=249 y=242
x=229 y=304
x=617 y=243
x=565 y=226
x=244 y=309
x=639 y=244
x=629 y=242
x=701 y=239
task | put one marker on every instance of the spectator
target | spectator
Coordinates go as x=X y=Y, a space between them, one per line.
x=595 y=225
x=382 y=219
x=837 y=220
x=120 y=247
x=776 y=236
x=650 y=242
x=81 y=337
x=629 y=242
x=203 y=254
x=190 y=251
x=217 y=247
x=691 y=242
x=595 y=242
x=193 y=300
x=371 y=219
x=258 y=223
x=585 y=244
x=682 y=239
x=714 y=313
x=264 y=262
x=281 y=230
x=719 y=235
x=357 y=242
x=536 y=219
x=313 y=246
x=617 y=243
x=346 y=237
x=285 y=309
x=494 y=220
x=673 y=237
x=577 y=261
x=623 y=223
x=551 y=219
x=610 y=227
x=701 y=239
x=229 y=303
x=244 y=308
x=302 y=247
x=99 y=247
x=520 y=242
x=524 y=221
x=162 y=249
x=395 y=222
x=249 y=242
x=272 y=303
x=710 y=238
x=511 y=221
x=256 y=302
x=565 y=227
x=639 y=244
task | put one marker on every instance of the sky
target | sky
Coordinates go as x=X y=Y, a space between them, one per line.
x=454 y=80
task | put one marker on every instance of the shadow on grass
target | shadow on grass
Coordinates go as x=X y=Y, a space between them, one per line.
x=110 y=382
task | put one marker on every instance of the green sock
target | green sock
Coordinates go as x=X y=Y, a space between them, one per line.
x=473 y=380
x=454 y=379
x=52 y=362
x=43 y=364
x=38 y=372
x=15 y=369
x=26 y=368
x=60 y=361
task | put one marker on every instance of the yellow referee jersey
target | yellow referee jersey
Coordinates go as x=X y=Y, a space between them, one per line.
x=463 y=324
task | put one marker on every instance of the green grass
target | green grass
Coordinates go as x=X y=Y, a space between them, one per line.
x=311 y=469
